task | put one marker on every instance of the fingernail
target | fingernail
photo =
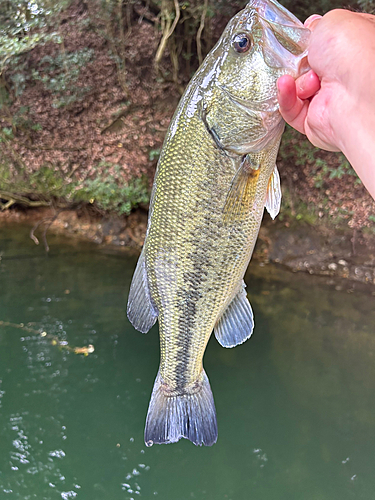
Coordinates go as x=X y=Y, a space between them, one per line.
x=311 y=19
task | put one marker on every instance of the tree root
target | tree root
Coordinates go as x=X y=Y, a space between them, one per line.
x=48 y=221
x=13 y=198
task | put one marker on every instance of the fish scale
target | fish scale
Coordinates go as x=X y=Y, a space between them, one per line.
x=215 y=174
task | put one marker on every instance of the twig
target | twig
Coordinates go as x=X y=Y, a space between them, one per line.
x=125 y=112
x=16 y=198
x=32 y=235
x=44 y=234
x=109 y=34
x=167 y=32
x=200 y=30
x=8 y=204
x=176 y=19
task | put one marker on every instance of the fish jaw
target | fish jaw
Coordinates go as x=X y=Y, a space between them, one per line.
x=274 y=12
x=289 y=31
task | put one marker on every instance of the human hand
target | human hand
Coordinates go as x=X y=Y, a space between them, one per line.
x=334 y=103
x=317 y=100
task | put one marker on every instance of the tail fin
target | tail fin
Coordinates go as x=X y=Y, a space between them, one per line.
x=191 y=415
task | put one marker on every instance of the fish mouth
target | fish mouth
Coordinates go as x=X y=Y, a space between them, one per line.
x=271 y=11
x=283 y=32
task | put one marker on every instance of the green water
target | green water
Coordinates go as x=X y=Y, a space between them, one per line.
x=295 y=404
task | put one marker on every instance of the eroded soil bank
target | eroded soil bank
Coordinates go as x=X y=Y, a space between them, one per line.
x=345 y=256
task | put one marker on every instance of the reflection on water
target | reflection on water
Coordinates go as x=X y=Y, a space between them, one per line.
x=296 y=405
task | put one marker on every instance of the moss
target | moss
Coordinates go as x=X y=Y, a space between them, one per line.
x=105 y=191
x=108 y=195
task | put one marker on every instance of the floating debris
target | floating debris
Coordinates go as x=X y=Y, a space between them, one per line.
x=62 y=344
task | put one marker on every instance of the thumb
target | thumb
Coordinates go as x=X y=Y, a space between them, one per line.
x=312 y=21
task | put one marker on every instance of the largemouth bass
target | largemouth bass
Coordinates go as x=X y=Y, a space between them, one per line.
x=215 y=175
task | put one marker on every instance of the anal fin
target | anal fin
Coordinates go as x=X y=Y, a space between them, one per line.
x=237 y=322
x=142 y=313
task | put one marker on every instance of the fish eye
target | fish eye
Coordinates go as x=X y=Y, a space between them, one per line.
x=241 y=42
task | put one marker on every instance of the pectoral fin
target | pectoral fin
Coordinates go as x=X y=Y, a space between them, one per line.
x=237 y=322
x=273 y=199
x=242 y=192
x=142 y=313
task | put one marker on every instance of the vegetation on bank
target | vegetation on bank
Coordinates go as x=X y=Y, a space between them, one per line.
x=87 y=89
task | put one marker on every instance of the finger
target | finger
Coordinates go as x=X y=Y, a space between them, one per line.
x=292 y=109
x=310 y=21
x=287 y=94
x=307 y=85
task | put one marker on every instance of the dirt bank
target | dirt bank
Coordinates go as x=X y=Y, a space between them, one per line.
x=317 y=250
